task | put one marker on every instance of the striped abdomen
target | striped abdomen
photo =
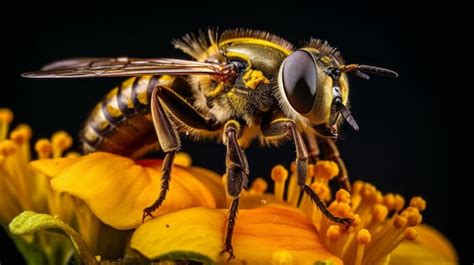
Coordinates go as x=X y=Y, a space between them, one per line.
x=121 y=123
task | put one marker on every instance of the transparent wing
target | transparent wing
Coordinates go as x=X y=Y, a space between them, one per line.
x=124 y=66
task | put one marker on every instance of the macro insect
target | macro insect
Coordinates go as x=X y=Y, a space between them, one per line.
x=243 y=85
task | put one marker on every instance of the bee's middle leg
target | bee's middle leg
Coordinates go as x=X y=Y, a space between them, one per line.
x=283 y=126
x=237 y=178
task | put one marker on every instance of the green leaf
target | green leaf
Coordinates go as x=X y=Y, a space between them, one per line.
x=30 y=222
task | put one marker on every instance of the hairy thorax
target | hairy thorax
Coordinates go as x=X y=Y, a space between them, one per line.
x=247 y=99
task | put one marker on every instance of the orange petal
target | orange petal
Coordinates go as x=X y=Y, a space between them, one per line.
x=117 y=189
x=273 y=234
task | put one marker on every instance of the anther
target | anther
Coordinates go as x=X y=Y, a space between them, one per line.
x=399 y=202
x=389 y=201
x=60 y=142
x=322 y=190
x=279 y=173
x=410 y=234
x=8 y=147
x=343 y=196
x=379 y=213
x=418 y=203
x=399 y=221
x=259 y=186
x=6 y=116
x=21 y=134
x=333 y=233
x=44 y=148
x=325 y=170
x=364 y=237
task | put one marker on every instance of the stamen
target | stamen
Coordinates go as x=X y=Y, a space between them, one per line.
x=399 y=202
x=389 y=201
x=6 y=117
x=399 y=221
x=7 y=148
x=322 y=190
x=413 y=216
x=21 y=136
x=258 y=187
x=279 y=175
x=409 y=234
x=343 y=195
x=325 y=170
x=379 y=213
x=333 y=234
x=418 y=203
x=363 y=238
x=44 y=148
x=60 y=142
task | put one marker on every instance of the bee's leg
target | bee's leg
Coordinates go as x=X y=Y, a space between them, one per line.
x=281 y=127
x=331 y=152
x=169 y=142
x=313 y=148
x=167 y=134
x=237 y=178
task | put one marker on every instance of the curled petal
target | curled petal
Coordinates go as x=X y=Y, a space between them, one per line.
x=117 y=189
x=273 y=234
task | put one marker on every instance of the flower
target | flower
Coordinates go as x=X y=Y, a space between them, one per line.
x=21 y=188
x=287 y=229
x=102 y=195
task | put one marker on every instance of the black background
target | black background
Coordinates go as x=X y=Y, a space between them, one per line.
x=413 y=129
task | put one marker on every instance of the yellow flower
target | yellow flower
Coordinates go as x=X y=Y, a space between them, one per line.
x=107 y=191
x=23 y=188
x=281 y=229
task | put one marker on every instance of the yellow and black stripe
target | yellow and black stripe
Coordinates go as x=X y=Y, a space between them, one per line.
x=121 y=122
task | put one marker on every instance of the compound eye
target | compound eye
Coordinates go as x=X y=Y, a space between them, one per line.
x=299 y=77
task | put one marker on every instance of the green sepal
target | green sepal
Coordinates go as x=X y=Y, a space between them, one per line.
x=29 y=222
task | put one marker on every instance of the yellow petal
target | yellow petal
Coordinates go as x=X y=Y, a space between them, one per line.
x=213 y=182
x=117 y=189
x=274 y=234
x=431 y=247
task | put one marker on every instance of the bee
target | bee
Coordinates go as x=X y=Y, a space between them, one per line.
x=241 y=86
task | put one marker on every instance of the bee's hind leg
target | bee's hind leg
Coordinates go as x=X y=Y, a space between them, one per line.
x=167 y=134
x=281 y=127
x=169 y=142
x=237 y=178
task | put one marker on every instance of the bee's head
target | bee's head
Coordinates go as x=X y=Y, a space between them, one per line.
x=313 y=84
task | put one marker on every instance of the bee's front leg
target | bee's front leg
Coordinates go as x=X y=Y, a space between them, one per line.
x=237 y=178
x=280 y=128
